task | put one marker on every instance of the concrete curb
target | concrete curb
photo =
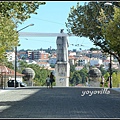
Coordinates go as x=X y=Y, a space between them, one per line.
x=116 y=89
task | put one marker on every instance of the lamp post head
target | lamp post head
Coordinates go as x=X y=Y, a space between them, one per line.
x=108 y=4
x=30 y=24
x=111 y=4
x=25 y=27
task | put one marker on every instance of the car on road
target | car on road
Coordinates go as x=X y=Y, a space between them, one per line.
x=11 y=83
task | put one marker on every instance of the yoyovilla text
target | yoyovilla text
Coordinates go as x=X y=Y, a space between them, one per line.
x=90 y=93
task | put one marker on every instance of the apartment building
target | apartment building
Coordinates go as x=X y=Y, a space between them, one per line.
x=82 y=60
x=95 y=58
x=72 y=60
x=11 y=56
x=96 y=54
x=95 y=62
x=36 y=55
x=52 y=60
x=44 y=64
x=22 y=54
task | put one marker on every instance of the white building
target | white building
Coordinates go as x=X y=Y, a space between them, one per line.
x=71 y=60
x=43 y=64
x=106 y=63
x=83 y=60
x=31 y=61
x=78 y=68
x=9 y=74
x=72 y=53
x=95 y=62
x=52 y=60
x=11 y=56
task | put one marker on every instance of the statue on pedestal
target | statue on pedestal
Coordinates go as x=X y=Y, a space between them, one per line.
x=62 y=67
x=62 y=45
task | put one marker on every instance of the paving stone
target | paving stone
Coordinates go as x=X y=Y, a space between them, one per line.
x=60 y=102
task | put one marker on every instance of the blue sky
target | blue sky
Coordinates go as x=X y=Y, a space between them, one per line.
x=51 y=18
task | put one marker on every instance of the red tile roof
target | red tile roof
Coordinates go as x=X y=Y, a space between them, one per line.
x=8 y=71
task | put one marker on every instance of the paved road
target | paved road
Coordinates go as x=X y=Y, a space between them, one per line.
x=59 y=102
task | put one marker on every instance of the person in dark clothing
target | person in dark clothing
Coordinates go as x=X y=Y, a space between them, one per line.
x=51 y=79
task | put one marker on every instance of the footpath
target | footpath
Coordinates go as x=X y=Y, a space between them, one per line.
x=13 y=88
x=59 y=102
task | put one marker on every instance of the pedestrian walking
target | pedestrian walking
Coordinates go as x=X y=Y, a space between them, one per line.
x=102 y=81
x=51 y=79
x=86 y=81
x=48 y=81
x=109 y=82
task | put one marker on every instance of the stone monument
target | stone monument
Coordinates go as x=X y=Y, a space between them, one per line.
x=62 y=67
x=29 y=75
x=94 y=77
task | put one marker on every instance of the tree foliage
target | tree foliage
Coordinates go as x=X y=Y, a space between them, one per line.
x=111 y=31
x=12 y=14
x=94 y=49
x=83 y=73
x=116 y=79
x=103 y=71
x=75 y=78
x=8 y=36
x=19 y=11
x=85 y=21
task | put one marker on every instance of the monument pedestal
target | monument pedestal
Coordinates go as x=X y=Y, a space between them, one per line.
x=94 y=83
x=29 y=83
x=62 y=67
x=62 y=73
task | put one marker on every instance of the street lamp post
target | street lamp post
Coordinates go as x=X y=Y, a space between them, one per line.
x=110 y=71
x=16 y=53
x=110 y=64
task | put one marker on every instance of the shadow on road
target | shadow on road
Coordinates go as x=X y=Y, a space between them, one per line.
x=60 y=102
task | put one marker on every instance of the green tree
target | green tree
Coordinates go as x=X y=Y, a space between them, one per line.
x=111 y=33
x=22 y=65
x=8 y=36
x=84 y=21
x=114 y=80
x=76 y=79
x=83 y=73
x=70 y=78
x=52 y=66
x=72 y=68
x=9 y=64
x=106 y=75
x=11 y=15
x=118 y=79
x=19 y=11
x=103 y=71
x=94 y=49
